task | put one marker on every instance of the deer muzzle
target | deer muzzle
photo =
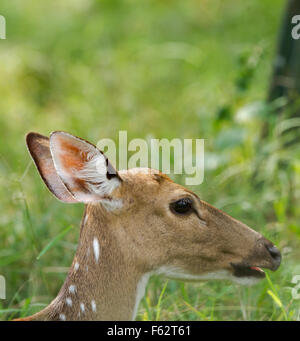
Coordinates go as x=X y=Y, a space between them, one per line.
x=264 y=255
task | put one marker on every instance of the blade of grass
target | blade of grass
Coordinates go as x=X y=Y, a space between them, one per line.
x=54 y=241
x=147 y=313
x=275 y=298
x=197 y=312
x=274 y=295
x=158 y=307
x=271 y=284
x=28 y=222
x=26 y=307
x=11 y=310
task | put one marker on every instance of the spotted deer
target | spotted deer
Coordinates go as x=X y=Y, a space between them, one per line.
x=136 y=223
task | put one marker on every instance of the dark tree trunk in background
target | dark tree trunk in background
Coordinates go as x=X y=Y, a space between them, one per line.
x=285 y=79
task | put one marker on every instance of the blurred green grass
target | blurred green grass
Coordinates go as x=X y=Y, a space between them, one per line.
x=93 y=68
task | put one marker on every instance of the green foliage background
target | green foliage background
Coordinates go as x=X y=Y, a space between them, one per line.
x=157 y=68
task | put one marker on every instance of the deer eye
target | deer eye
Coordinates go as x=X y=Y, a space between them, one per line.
x=182 y=206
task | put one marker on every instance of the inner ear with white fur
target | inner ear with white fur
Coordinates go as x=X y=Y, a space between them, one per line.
x=83 y=169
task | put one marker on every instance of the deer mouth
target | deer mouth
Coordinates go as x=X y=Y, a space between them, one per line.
x=241 y=270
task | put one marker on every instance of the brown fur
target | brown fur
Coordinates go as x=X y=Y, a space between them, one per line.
x=141 y=237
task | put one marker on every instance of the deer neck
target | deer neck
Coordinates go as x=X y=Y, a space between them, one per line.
x=104 y=281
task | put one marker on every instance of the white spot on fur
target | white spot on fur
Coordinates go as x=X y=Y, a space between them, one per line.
x=82 y=307
x=85 y=219
x=76 y=266
x=72 y=289
x=94 y=307
x=69 y=301
x=62 y=317
x=140 y=292
x=96 y=248
x=87 y=268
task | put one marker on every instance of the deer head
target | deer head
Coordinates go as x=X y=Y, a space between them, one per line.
x=136 y=223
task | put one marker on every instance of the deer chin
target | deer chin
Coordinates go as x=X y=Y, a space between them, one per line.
x=179 y=274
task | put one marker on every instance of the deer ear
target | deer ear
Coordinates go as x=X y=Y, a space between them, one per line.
x=83 y=169
x=38 y=146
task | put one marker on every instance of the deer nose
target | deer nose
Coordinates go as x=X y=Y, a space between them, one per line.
x=275 y=254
